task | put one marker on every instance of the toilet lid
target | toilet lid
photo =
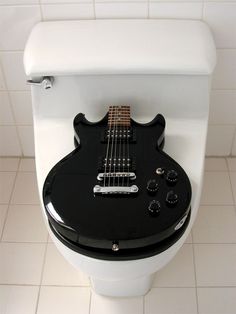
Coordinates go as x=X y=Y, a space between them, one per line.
x=118 y=223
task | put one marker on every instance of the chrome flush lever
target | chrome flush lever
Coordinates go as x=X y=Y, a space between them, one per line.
x=46 y=82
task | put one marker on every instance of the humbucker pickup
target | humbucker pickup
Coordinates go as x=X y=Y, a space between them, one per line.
x=119 y=134
x=129 y=175
x=118 y=164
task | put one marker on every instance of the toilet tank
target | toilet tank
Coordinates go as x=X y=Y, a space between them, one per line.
x=155 y=66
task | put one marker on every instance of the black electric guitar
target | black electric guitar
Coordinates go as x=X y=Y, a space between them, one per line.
x=118 y=195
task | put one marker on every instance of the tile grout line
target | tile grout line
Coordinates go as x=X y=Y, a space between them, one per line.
x=41 y=277
x=231 y=186
x=12 y=110
x=144 y=297
x=90 y=301
x=9 y=203
x=195 y=275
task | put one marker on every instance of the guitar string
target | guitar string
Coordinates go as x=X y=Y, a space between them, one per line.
x=112 y=144
x=108 y=144
x=119 y=145
x=115 y=135
x=123 y=146
x=127 y=135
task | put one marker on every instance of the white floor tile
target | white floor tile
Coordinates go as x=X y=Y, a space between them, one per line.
x=171 y=301
x=3 y=211
x=179 y=272
x=18 y=299
x=215 y=224
x=25 y=224
x=215 y=164
x=6 y=185
x=217 y=300
x=108 y=305
x=9 y=164
x=215 y=264
x=233 y=183
x=217 y=189
x=25 y=191
x=21 y=263
x=57 y=271
x=61 y=300
x=231 y=164
x=27 y=164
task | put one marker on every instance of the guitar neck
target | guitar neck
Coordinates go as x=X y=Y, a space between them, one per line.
x=119 y=116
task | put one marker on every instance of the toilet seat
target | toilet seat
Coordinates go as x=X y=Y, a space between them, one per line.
x=128 y=254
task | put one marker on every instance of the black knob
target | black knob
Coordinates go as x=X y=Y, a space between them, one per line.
x=154 y=208
x=172 y=176
x=152 y=186
x=171 y=198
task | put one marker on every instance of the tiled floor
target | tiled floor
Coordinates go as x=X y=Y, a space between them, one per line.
x=34 y=278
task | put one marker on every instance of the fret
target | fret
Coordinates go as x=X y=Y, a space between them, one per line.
x=119 y=116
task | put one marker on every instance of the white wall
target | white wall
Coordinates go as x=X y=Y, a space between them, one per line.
x=17 y=17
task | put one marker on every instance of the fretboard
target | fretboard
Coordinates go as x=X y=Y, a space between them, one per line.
x=119 y=116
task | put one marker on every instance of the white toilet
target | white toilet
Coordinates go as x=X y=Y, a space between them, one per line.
x=155 y=66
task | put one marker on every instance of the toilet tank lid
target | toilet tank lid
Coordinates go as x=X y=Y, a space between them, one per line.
x=93 y=47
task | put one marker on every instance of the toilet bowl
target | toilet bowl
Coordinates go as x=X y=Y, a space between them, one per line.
x=155 y=66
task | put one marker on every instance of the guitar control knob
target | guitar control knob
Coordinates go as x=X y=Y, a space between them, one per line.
x=171 y=198
x=172 y=176
x=154 y=208
x=152 y=186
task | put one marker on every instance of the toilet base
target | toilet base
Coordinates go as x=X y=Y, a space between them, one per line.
x=123 y=288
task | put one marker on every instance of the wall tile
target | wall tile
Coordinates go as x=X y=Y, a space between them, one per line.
x=14 y=71
x=219 y=140
x=16 y=23
x=22 y=107
x=68 y=11
x=221 y=17
x=26 y=134
x=225 y=72
x=9 y=143
x=12 y=2
x=6 y=117
x=63 y=1
x=121 y=10
x=2 y=83
x=223 y=107
x=188 y=10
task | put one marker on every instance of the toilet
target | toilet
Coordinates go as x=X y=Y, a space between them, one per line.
x=155 y=66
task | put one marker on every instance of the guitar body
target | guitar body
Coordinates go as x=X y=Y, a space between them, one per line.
x=124 y=213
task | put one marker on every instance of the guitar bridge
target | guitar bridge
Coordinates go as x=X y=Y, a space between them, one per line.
x=98 y=189
x=129 y=175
